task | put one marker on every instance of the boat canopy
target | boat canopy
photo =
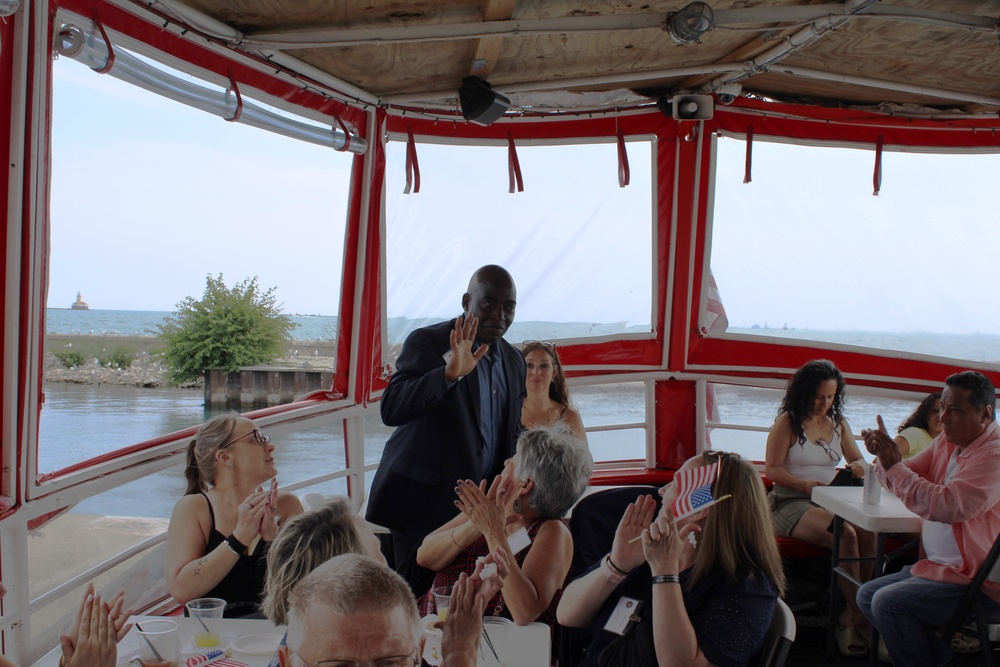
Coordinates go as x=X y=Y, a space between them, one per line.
x=384 y=81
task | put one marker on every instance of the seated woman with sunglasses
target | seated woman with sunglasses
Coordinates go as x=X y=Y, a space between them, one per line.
x=547 y=402
x=699 y=590
x=803 y=449
x=220 y=530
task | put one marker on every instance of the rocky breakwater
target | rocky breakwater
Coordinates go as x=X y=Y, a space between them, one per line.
x=137 y=361
x=145 y=370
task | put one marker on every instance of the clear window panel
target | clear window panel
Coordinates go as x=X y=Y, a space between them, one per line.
x=578 y=246
x=608 y=405
x=148 y=197
x=758 y=407
x=805 y=251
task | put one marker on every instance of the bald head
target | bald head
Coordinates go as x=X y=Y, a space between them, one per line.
x=492 y=298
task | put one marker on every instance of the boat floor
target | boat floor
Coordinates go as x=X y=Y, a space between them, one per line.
x=807 y=595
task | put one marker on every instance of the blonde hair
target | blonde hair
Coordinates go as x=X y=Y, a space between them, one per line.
x=200 y=469
x=304 y=543
x=736 y=536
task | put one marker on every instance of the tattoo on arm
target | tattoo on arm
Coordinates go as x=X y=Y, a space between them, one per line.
x=197 y=566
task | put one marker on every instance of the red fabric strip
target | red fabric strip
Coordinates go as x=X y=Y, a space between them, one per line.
x=513 y=166
x=347 y=134
x=623 y=170
x=749 y=162
x=111 y=49
x=877 y=176
x=412 y=166
x=239 y=98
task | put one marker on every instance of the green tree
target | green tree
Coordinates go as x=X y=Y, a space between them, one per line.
x=229 y=328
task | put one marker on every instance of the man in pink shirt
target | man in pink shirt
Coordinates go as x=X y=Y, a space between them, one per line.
x=954 y=485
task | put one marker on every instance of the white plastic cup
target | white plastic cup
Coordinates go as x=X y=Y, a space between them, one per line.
x=159 y=643
x=206 y=614
x=496 y=628
x=442 y=599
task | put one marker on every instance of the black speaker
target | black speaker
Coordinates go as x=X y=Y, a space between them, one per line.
x=480 y=103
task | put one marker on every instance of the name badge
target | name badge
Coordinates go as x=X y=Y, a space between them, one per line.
x=626 y=613
x=518 y=541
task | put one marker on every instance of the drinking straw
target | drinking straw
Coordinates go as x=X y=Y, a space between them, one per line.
x=489 y=643
x=152 y=648
x=207 y=631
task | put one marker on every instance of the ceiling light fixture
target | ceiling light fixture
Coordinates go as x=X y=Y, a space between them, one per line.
x=690 y=23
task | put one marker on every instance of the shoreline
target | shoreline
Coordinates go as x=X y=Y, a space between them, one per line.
x=147 y=368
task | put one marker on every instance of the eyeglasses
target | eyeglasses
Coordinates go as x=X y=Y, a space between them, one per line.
x=390 y=661
x=548 y=345
x=828 y=449
x=258 y=438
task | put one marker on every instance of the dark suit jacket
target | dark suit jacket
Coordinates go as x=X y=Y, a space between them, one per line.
x=437 y=440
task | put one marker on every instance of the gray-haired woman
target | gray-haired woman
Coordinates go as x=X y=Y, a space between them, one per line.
x=520 y=516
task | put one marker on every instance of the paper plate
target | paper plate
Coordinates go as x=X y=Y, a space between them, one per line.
x=257 y=644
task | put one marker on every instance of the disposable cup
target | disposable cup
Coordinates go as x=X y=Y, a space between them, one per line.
x=496 y=628
x=159 y=643
x=442 y=598
x=206 y=612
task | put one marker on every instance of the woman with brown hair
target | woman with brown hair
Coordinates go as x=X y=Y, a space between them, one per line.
x=547 y=402
x=805 y=444
x=709 y=604
x=220 y=529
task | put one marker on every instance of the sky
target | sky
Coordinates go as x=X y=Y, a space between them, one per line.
x=149 y=196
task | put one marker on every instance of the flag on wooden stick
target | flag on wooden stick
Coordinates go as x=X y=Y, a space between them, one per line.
x=694 y=490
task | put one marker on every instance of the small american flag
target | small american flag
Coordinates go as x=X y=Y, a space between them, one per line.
x=694 y=489
x=226 y=662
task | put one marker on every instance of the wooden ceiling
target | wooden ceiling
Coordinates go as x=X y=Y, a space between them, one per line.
x=912 y=57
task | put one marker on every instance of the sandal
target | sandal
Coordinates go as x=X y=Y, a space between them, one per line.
x=963 y=643
x=851 y=642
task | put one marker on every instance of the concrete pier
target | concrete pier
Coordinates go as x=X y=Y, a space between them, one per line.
x=260 y=386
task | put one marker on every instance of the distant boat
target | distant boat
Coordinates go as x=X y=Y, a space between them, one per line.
x=80 y=304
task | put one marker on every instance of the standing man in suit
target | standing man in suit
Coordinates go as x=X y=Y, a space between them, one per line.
x=455 y=400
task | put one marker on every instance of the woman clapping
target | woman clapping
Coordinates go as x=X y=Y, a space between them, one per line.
x=220 y=530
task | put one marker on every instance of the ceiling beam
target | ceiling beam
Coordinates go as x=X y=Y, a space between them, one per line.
x=487 y=49
x=506 y=27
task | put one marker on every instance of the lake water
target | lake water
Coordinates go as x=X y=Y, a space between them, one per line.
x=82 y=421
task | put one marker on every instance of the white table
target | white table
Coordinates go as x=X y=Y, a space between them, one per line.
x=524 y=646
x=231 y=629
x=890 y=515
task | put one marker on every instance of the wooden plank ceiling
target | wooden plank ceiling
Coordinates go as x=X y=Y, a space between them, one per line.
x=908 y=56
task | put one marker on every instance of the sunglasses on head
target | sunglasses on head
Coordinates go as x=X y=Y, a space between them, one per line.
x=548 y=345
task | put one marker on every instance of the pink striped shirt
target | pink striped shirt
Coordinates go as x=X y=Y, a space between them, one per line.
x=970 y=501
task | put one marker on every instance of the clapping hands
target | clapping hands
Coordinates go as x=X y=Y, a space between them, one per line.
x=663 y=544
x=626 y=551
x=98 y=626
x=256 y=515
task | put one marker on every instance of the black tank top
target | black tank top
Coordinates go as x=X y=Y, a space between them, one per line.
x=243 y=587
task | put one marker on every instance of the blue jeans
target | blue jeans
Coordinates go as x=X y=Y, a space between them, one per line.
x=906 y=610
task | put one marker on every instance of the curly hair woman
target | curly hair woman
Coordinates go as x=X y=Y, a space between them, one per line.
x=919 y=429
x=804 y=446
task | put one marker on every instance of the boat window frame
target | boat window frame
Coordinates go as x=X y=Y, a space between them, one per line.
x=656 y=298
